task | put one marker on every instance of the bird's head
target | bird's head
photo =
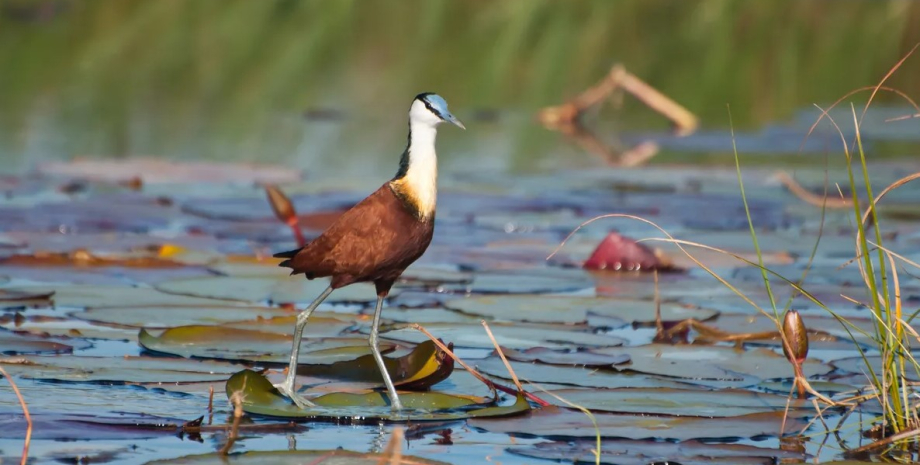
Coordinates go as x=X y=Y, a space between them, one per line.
x=431 y=109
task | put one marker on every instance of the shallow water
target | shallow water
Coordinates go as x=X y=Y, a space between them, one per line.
x=488 y=260
x=189 y=245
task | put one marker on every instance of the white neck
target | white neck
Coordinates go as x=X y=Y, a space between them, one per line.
x=422 y=175
x=420 y=181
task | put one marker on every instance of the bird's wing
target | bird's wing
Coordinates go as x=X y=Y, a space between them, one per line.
x=361 y=239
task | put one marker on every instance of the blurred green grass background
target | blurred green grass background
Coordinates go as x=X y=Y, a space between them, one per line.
x=231 y=79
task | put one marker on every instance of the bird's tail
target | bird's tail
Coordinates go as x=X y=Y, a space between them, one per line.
x=288 y=254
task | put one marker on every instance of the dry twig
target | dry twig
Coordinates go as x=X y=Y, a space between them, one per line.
x=25 y=411
x=237 y=399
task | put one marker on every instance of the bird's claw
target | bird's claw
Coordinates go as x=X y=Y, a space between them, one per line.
x=298 y=400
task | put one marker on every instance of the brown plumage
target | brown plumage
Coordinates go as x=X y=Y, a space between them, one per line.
x=376 y=240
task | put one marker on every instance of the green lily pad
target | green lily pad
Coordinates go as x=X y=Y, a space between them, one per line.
x=346 y=358
x=44 y=326
x=494 y=283
x=572 y=310
x=118 y=370
x=555 y=357
x=82 y=296
x=556 y=422
x=520 y=336
x=573 y=376
x=261 y=398
x=165 y=316
x=675 y=402
x=424 y=316
x=434 y=276
x=423 y=367
x=286 y=457
x=11 y=344
x=321 y=324
x=281 y=289
x=701 y=364
x=858 y=365
x=72 y=398
x=23 y=297
x=229 y=343
x=626 y=452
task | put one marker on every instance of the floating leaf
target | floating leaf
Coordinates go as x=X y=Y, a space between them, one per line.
x=556 y=422
x=675 y=402
x=571 y=310
x=494 y=283
x=83 y=258
x=706 y=365
x=261 y=398
x=285 y=457
x=574 y=376
x=164 y=316
x=18 y=298
x=338 y=358
x=555 y=357
x=858 y=366
x=82 y=296
x=512 y=336
x=44 y=326
x=625 y=452
x=14 y=345
x=59 y=400
x=280 y=289
x=423 y=367
x=128 y=369
x=86 y=427
x=229 y=343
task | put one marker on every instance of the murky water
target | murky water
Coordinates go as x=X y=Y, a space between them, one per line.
x=316 y=92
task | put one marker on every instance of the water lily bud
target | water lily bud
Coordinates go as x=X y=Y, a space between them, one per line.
x=281 y=205
x=797 y=337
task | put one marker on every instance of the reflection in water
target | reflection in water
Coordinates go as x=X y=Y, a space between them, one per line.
x=232 y=79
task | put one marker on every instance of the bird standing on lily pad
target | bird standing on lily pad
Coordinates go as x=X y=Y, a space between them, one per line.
x=377 y=239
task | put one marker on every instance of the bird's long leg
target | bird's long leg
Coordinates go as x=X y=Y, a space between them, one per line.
x=372 y=340
x=287 y=387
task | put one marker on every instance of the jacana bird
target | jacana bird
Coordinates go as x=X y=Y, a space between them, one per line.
x=377 y=239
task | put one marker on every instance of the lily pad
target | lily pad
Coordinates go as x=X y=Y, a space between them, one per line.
x=423 y=367
x=556 y=422
x=84 y=427
x=577 y=358
x=573 y=376
x=61 y=399
x=675 y=402
x=82 y=296
x=66 y=329
x=494 y=283
x=286 y=457
x=261 y=398
x=165 y=316
x=704 y=365
x=18 y=298
x=858 y=365
x=229 y=343
x=11 y=344
x=624 y=452
x=338 y=358
x=118 y=370
x=519 y=336
x=282 y=289
x=572 y=310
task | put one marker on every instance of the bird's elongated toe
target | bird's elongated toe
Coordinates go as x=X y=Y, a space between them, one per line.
x=289 y=392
